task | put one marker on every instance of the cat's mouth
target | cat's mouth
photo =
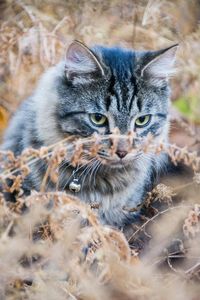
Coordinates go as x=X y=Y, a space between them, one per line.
x=116 y=162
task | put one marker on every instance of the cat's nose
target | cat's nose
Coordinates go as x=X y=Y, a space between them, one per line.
x=121 y=153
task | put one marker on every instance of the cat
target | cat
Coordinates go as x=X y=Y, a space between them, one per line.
x=97 y=90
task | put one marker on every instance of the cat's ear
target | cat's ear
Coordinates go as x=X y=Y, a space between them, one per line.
x=159 y=65
x=81 y=65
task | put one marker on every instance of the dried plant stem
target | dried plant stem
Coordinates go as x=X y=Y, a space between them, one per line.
x=169 y=209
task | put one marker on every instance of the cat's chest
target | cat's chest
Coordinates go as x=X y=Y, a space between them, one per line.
x=112 y=208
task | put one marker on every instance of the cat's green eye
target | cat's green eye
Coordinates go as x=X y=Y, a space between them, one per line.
x=143 y=121
x=98 y=119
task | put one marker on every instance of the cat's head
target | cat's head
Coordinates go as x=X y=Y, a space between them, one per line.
x=105 y=88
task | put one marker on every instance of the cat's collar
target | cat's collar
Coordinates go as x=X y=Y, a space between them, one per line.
x=75 y=185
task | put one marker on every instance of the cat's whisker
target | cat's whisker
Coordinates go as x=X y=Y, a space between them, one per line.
x=96 y=171
x=86 y=171
x=92 y=173
x=90 y=167
x=87 y=164
x=79 y=168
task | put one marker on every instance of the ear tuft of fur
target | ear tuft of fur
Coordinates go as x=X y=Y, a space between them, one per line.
x=81 y=64
x=161 y=65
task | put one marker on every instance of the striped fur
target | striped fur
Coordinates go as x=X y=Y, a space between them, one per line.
x=121 y=84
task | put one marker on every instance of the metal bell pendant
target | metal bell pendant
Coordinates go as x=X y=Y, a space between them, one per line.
x=74 y=185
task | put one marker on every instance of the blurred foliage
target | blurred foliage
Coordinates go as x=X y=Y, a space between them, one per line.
x=189 y=107
x=34 y=35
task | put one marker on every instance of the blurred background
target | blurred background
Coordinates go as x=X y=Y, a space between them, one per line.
x=35 y=35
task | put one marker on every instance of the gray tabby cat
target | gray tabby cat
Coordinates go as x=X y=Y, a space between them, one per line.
x=97 y=90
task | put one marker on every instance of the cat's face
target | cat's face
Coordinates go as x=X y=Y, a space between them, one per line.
x=113 y=88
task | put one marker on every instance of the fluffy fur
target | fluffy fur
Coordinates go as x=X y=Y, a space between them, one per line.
x=120 y=84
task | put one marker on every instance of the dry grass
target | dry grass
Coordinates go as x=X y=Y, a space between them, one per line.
x=52 y=246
